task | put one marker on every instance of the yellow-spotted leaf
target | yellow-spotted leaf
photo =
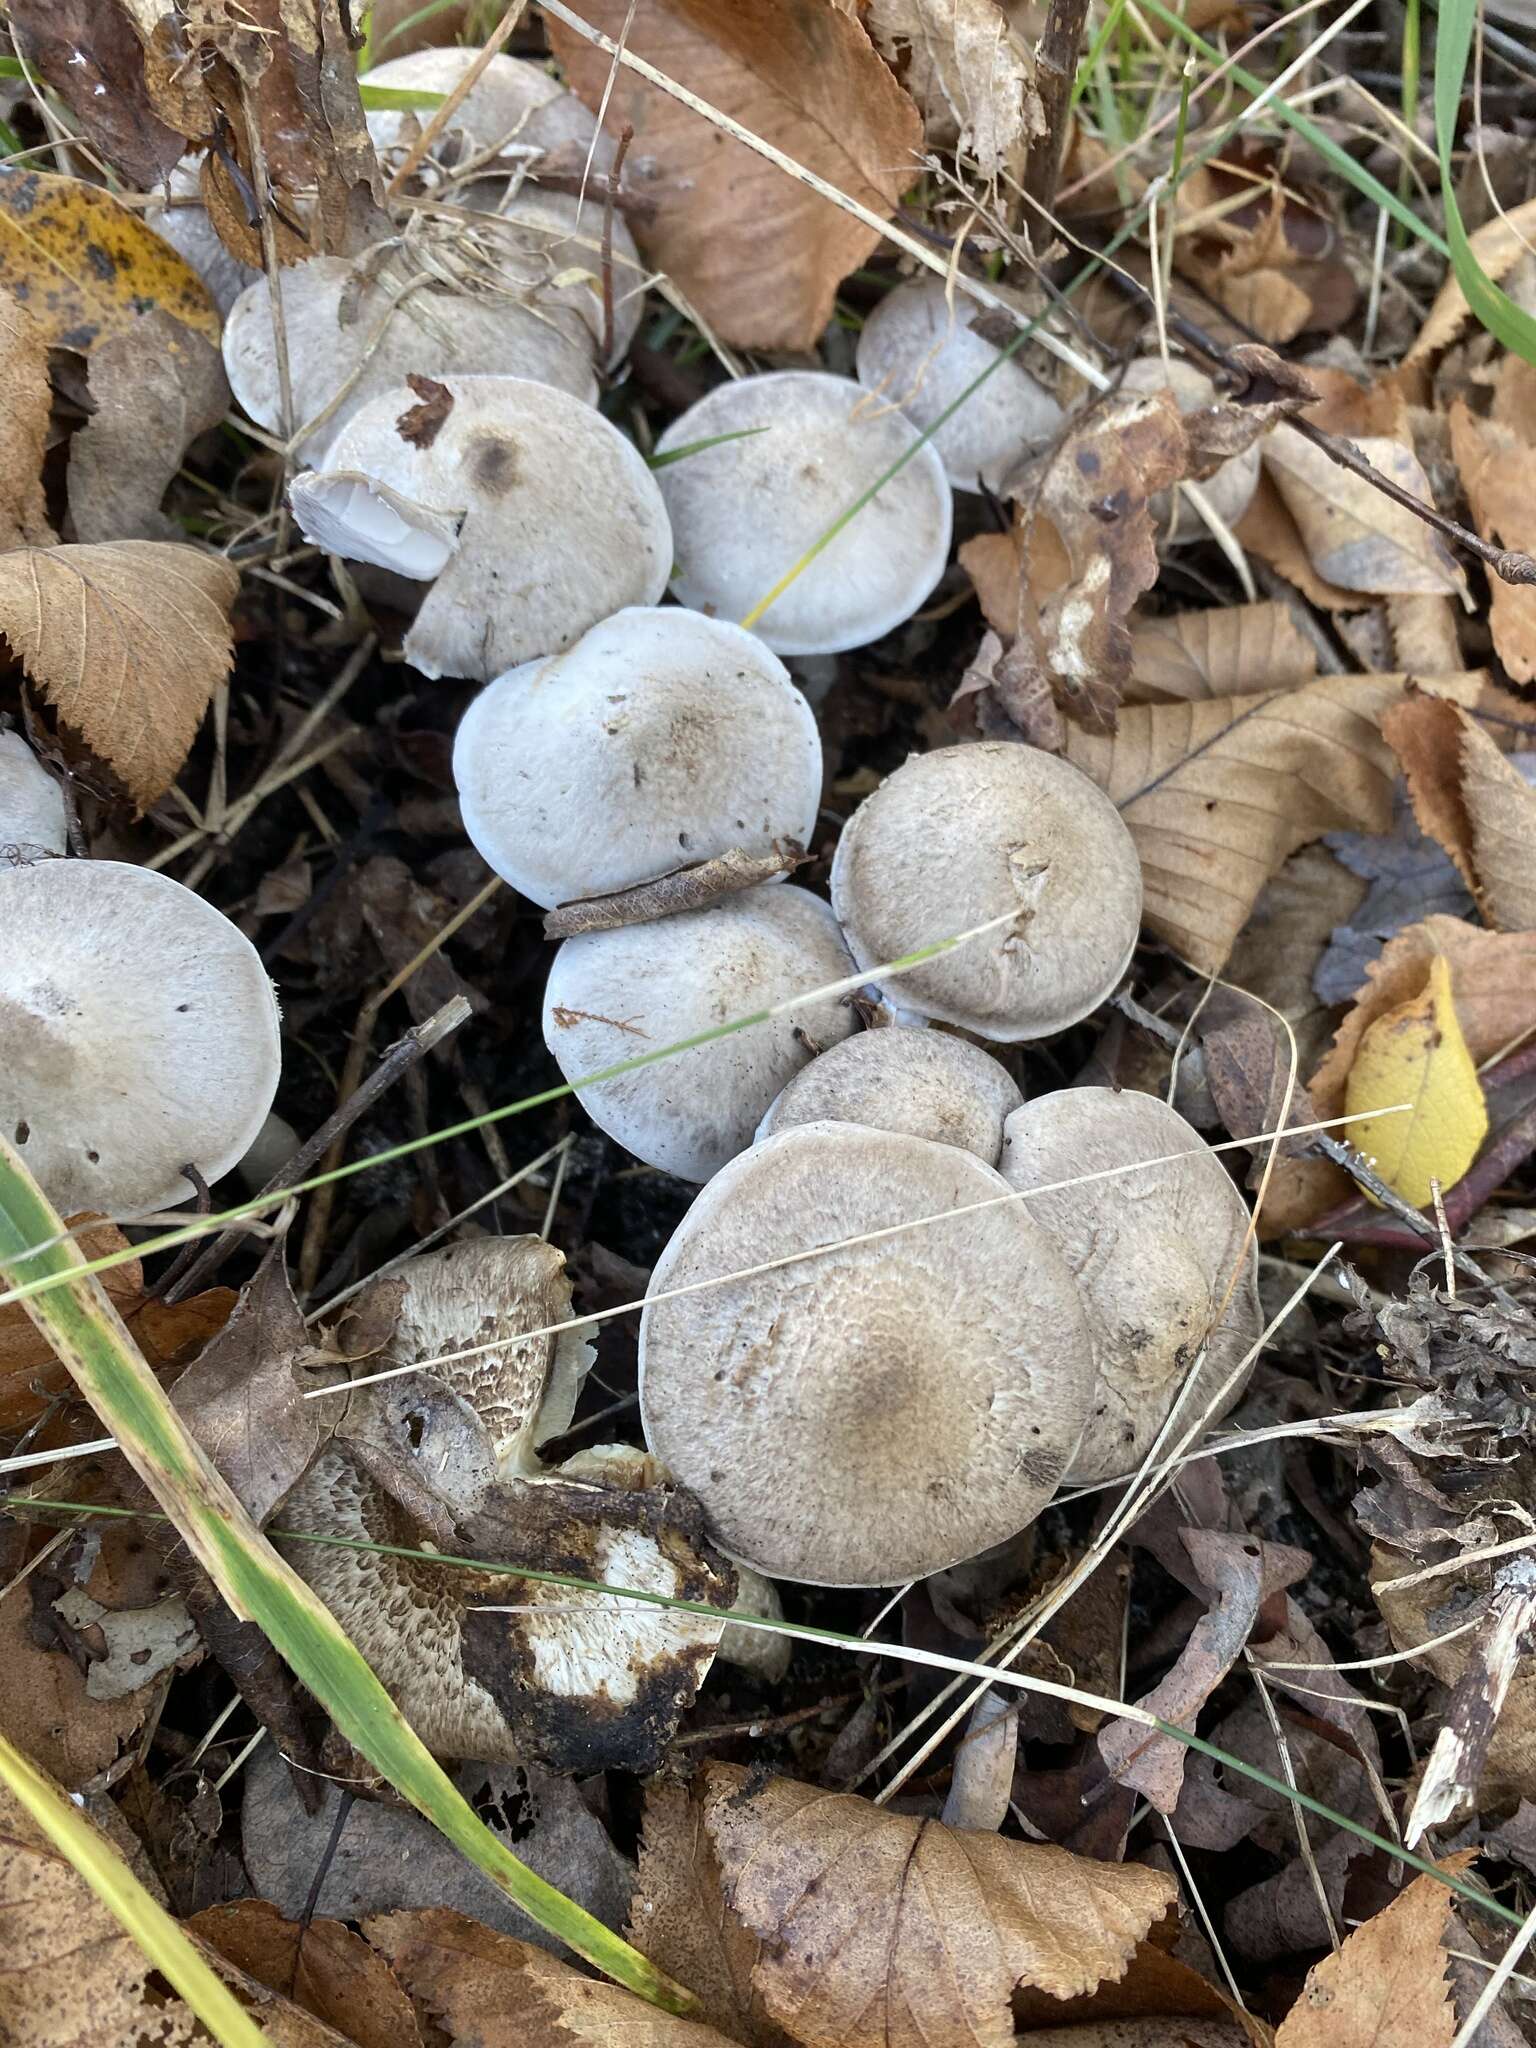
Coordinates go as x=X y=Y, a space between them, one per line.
x=85 y=267
x=1416 y=1054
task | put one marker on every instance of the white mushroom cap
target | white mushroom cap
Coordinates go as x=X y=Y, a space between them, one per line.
x=566 y=237
x=1232 y=487
x=919 y=351
x=885 y=1410
x=965 y=834
x=683 y=735
x=615 y=994
x=562 y=523
x=140 y=1034
x=924 y=1083
x=513 y=105
x=333 y=318
x=33 y=821
x=743 y=513
x=1154 y=1252
x=195 y=239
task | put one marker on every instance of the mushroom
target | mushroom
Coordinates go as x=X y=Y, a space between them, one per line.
x=491 y=1665
x=745 y=511
x=922 y=1082
x=965 y=834
x=350 y=339
x=615 y=994
x=566 y=239
x=1157 y=1252
x=683 y=734
x=881 y=1411
x=185 y=225
x=543 y=517
x=140 y=1035
x=920 y=352
x=1231 y=489
x=513 y=106
x=33 y=821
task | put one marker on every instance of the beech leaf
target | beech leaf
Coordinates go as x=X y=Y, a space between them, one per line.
x=1474 y=801
x=128 y=642
x=1495 y=465
x=881 y=1927
x=1416 y=1053
x=1228 y=650
x=1386 y=1987
x=1358 y=537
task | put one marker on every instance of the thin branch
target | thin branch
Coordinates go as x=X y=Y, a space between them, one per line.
x=1055 y=68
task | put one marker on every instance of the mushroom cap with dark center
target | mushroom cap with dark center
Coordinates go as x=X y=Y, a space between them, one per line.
x=744 y=511
x=1155 y=1252
x=965 y=834
x=922 y=1082
x=875 y=1412
x=613 y=995
x=684 y=735
x=139 y=1030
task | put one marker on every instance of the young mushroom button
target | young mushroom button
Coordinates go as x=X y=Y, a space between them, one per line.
x=683 y=735
x=966 y=834
x=902 y=1079
x=1164 y=1257
x=876 y=1411
x=615 y=994
x=140 y=1035
x=746 y=510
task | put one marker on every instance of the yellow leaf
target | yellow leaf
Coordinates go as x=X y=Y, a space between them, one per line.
x=85 y=267
x=1417 y=1054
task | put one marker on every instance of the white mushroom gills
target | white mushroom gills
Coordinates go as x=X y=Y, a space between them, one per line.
x=919 y=1081
x=681 y=735
x=746 y=510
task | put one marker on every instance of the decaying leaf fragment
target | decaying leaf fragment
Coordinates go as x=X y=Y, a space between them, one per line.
x=879 y=1926
x=1474 y=801
x=128 y=642
x=970 y=71
x=91 y=58
x=692 y=887
x=1496 y=464
x=25 y=402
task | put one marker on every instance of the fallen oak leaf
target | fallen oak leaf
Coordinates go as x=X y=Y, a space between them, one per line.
x=127 y=641
x=1424 y=733
x=879 y=1926
x=1268 y=530
x=1416 y=1054
x=1386 y=1987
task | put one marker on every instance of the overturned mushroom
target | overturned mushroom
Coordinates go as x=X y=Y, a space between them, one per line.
x=1164 y=1257
x=683 y=734
x=482 y=495
x=881 y=1410
x=616 y=994
x=746 y=510
x=918 y=350
x=1231 y=489
x=140 y=1035
x=493 y=1665
x=33 y=823
x=900 y=1079
x=965 y=834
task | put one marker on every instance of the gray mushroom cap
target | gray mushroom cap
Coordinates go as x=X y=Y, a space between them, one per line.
x=745 y=511
x=615 y=994
x=1154 y=1251
x=883 y=1410
x=140 y=1034
x=565 y=236
x=33 y=823
x=965 y=834
x=922 y=1082
x=682 y=734
x=513 y=105
x=917 y=350
x=535 y=560
x=189 y=231
x=1231 y=489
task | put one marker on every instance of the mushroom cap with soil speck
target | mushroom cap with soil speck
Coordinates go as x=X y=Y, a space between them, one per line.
x=616 y=994
x=965 y=834
x=33 y=822
x=745 y=511
x=922 y=1082
x=683 y=735
x=561 y=523
x=513 y=105
x=140 y=1035
x=880 y=1411
x=1154 y=1251
x=918 y=351
x=338 y=323
x=1232 y=487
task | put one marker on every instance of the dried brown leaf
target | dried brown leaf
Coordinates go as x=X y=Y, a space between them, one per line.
x=155 y=388
x=1267 y=530
x=46 y=1711
x=128 y=642
x=970 y=71
x=30 y=1375
x=1357 y=536
x=494 y=1992
x=756 y=252
x=1498 y=246
x=323 y=1967
x=1157 y=1989
x=1470 y=797
x=692 y=887
x=879 y=1926
x=92 y=59
x=1217 y=794
x=25 y=404
x=1495 y=465
x=1386 y=1987
x=1425 y=734
x=1225 y=651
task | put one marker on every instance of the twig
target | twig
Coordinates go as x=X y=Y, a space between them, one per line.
x=450 y=106
x=626 y=137
x=1055 y=68
x=404 y=1053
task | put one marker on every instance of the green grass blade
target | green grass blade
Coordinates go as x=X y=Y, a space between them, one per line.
x=389 y=98
x=1494 y=308
x=91 y=1339
x=164 y=1943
